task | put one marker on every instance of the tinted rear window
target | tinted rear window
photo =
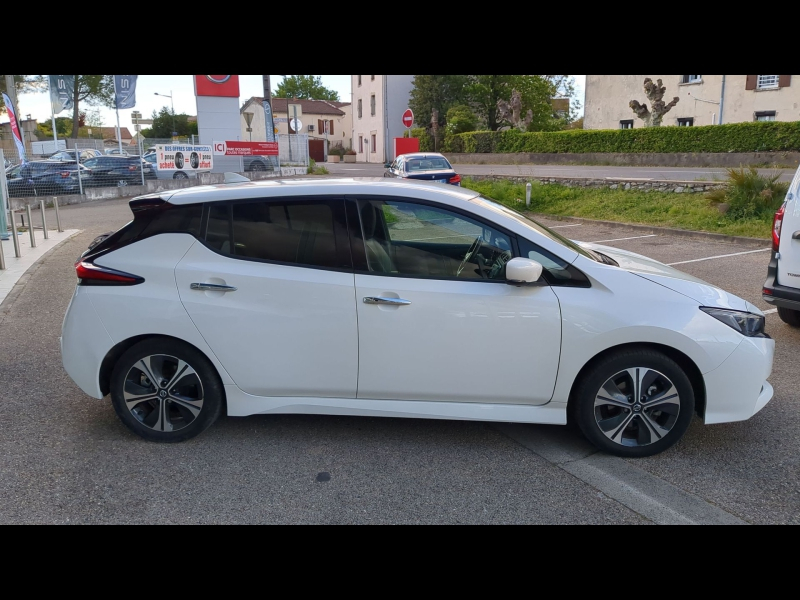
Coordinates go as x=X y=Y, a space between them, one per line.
x=427 y=164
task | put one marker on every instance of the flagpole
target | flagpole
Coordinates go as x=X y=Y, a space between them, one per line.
x=116 y=107
x=52 y=113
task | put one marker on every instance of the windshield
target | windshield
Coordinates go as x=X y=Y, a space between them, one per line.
x=433 y=163
x=545 y=231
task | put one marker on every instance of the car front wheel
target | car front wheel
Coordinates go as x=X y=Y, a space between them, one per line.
x=634 y=403
x=166 y=391
x=789 y=316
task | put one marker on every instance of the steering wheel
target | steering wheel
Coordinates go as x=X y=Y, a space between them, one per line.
x=499 y=264
x=470 y=253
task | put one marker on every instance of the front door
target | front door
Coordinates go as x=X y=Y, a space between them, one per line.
x=271 y=291
x=436 y=319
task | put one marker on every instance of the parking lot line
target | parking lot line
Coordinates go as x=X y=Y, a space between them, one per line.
x=683 y=262
x=770 y=311
x=636 y=237
x=575 y=225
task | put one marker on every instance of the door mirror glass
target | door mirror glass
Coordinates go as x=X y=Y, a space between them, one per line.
x=523 y=270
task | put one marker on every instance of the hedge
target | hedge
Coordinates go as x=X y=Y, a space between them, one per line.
x=769 y=136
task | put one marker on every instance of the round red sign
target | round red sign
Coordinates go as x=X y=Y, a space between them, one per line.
x=408 y=118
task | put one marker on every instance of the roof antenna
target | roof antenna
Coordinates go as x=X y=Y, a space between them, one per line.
x=235 y=178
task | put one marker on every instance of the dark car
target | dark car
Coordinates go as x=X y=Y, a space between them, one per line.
x=45 y=178
x=117 y=170
x=423 y=166
x=257 y=163
x=69 y=155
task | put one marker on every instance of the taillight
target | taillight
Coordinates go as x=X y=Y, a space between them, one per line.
x=132 y=168
x=92 y=274
x=64 y=174
x=455 y=179
x=777 y=223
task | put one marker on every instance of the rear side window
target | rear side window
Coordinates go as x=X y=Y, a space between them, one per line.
x=296 y=232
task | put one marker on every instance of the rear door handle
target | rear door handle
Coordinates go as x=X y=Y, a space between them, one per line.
x=390 y=301
x=796 y=235
x=212 y=287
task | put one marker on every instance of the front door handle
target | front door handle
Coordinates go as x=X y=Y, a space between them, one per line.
x=212 y=287
x=796 y=235
x=390 y=301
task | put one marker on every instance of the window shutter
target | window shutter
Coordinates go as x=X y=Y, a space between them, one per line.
x=320 y=126
x=330 y=131
x=784 y=80
x=751 y=82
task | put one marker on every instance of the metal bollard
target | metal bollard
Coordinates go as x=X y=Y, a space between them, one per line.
x=58 y=216
x=30 y=226
x=15 y=235
x=44 y=220
x=527 y=194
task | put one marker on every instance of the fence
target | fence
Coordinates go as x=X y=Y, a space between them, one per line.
x=40 y=177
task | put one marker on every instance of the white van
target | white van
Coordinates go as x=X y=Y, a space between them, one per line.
x=782 y=287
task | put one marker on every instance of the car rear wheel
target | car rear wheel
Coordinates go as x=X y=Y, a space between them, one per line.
x=789 y=316
x=166 y=391
x=258 y=167
x=180 y=175
x=634 y=403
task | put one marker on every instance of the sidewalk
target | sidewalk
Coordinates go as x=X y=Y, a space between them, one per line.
x=16 y=267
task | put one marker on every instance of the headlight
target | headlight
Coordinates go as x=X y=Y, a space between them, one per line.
x=746 y=323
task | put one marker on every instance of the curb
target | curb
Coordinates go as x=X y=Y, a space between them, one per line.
x=685 y=233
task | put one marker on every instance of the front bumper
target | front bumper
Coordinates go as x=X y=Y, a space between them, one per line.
x=738 y=388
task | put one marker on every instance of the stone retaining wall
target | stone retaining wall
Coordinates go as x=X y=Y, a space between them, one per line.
x=611 y=183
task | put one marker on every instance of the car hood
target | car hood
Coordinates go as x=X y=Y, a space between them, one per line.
x=701 y=291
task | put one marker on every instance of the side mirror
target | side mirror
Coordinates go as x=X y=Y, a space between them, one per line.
x=387 y=165
x=523 y=270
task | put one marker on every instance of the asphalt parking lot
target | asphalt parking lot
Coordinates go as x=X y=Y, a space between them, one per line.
x=68 y=459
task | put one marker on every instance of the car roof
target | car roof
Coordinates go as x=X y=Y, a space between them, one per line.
x=422 y=155
x=276 y=188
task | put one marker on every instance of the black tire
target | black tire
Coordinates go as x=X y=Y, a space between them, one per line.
x=257 y=166
x=180 y=175
x=789 y=316
x=639 y=429
x=179 y=415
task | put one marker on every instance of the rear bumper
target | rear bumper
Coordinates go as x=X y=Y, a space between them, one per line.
x=779 y=295
x=84 y=343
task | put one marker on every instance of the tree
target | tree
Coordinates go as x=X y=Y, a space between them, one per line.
x=95 y=90
x=24 y=84
x=63 y=128
x=655 y=93
x=436 y=92
x=304 y=87
x=162 y=125
x=461 y=119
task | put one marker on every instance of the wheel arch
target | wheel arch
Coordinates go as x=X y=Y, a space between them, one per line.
x=113 y=355
x=687 y=364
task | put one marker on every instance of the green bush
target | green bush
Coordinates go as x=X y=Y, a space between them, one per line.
x=770 y=136
x=461 y=119
x=749 y=194
x=336 y=150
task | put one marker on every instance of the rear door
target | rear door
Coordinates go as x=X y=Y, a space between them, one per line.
x=789 y=262
x=271 y=289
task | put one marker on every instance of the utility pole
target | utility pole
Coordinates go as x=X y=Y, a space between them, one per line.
x=269 y=122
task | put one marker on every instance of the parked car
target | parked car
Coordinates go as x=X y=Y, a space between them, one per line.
x=424 y=166
x=118 y=170
x=156 y=173
x=45 y=178
x=257 y=163
x=117 y=151
x=782 y=287
x=69 y=155
x=375 y=298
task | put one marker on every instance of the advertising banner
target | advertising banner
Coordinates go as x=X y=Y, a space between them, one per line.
x=184 y=157
x=124 y=91
x=15 y=131
x=62 y=89
x=246 y=148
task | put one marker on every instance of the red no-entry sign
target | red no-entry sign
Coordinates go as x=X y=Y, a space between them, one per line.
x=408 y=118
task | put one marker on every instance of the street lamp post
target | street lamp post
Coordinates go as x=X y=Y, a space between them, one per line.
x=174 y=133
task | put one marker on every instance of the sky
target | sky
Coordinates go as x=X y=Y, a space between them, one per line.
x=181 y=88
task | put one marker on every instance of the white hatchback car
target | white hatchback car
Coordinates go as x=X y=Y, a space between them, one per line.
x=389 y=298
x=782 y=287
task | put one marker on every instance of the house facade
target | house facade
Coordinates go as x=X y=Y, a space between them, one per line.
x=320 y=119
x=379 y=102
x=703 y=99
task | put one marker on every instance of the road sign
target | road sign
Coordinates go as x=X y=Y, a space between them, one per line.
x=297 y=125
x=143 y=121
x=408 y=118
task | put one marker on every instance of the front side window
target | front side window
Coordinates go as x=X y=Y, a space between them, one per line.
x=296 y=232
x=420 y=240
